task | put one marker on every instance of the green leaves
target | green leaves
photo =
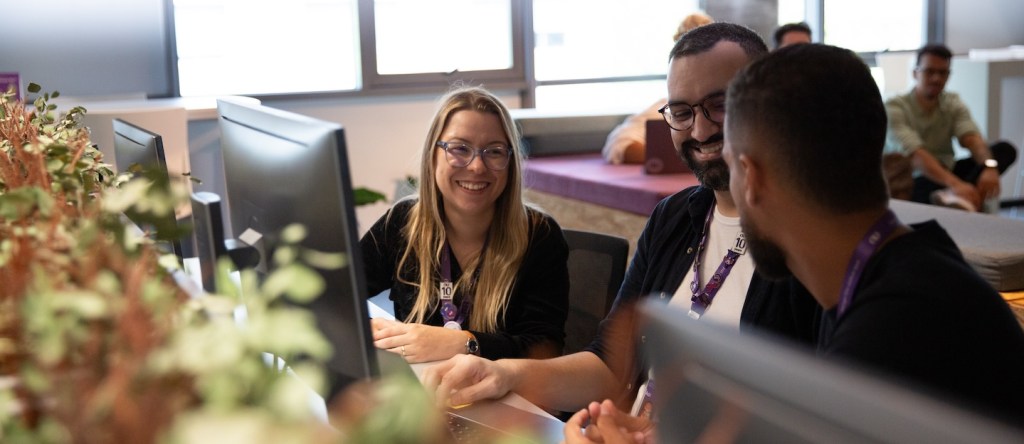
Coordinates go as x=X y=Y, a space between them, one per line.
x=299 y=283
x=25 y=202
x=365 y=196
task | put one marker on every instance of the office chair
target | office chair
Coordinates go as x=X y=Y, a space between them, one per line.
x=597 y=264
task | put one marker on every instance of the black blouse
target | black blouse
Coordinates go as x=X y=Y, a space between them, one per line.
x=537 y=308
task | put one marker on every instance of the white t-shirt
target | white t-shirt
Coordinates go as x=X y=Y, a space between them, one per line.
x=727 y=305
x=725 y=308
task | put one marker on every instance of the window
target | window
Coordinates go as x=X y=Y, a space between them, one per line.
x=869 y=26
x=587 y=39
x=792 y=11
x=430 y=42
x=265 y=46
x=421 y=36
x=599 y=53
x=562 y=54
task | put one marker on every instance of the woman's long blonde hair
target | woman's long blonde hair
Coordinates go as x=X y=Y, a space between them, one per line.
x=508 y=236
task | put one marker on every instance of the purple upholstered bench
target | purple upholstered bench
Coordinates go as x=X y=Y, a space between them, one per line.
x=588 y=178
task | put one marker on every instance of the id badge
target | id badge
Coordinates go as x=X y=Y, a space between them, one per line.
x=741 y=244
x=447 y=291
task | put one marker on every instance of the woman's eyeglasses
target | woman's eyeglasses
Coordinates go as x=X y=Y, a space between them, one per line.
x=460 y=155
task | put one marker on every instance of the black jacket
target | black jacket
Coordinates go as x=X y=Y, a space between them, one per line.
x=664 y=254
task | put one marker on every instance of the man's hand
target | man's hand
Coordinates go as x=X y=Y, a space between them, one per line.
x=604 y=423
x=968 y=192
x=465 y=379
x=988 y=183
x=418 y=342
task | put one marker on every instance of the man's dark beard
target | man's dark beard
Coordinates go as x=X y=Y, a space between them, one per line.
x=769 y=260
x=712 y=174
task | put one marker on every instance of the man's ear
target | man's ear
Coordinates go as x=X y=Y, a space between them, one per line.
x=754 y=176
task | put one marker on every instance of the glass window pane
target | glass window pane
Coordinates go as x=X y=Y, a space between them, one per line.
x=266 y=46
x=791 y=11
x=429 y=36
x=580 y=39
x=861 y=27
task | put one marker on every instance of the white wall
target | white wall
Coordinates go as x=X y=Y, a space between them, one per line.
x=87 y=48
x=979 y=24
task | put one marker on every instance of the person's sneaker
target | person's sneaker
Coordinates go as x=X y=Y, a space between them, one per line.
x=947 y=198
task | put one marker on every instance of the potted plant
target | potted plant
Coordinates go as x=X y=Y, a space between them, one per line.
x=97 y=341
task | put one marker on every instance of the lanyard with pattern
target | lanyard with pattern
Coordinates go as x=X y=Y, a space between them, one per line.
x=701 y=299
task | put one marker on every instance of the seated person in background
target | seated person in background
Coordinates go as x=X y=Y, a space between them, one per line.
x=792 y=34
x=922 y=124
x=899 y=300
x=627 y=142
x=688 y=238
x=471 y=268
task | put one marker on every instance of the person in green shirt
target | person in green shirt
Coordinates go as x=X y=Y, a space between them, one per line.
x=922 y=124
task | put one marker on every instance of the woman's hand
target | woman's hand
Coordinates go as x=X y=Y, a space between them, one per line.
x=603 y=423
x=418 y=342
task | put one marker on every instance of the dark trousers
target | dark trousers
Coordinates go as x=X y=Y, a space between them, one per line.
x=967 y=170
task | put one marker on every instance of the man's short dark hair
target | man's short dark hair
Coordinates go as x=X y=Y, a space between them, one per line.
x=817 y=113
x=791 y=27
x=703 y=38
x=936 y=49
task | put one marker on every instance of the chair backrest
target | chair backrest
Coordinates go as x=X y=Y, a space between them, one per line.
x=597 y=264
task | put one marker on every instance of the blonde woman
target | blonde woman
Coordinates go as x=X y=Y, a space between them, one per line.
x=471 y=268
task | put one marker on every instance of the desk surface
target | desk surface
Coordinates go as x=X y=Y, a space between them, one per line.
x=587 y=177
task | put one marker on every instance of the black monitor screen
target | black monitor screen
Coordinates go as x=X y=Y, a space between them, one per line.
x=283 y=168
x=137 y=146
x=712 y=384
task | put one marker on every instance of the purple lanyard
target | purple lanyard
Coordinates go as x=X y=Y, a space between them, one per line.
x=701 y=299
x=453 y=316
x=865 y=249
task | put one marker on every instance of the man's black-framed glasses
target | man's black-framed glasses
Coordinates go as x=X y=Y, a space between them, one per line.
x=460 y=155
x=680 y=116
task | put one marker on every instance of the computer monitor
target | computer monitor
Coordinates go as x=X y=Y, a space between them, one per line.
x=712 y=384
x=134 y=145
x=282 y=168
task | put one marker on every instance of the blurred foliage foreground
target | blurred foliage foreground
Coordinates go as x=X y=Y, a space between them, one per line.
x=99 y=345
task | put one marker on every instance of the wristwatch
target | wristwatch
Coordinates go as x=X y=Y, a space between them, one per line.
x=472 y=347
x=991 y=163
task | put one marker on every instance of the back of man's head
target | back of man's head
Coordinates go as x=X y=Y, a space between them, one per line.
x=781 y=32
x=818 y=118
x=703 y=38
x=936 y=49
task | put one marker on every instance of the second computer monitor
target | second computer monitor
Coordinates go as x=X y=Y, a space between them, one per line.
x=134 y=145
x=283 y=168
